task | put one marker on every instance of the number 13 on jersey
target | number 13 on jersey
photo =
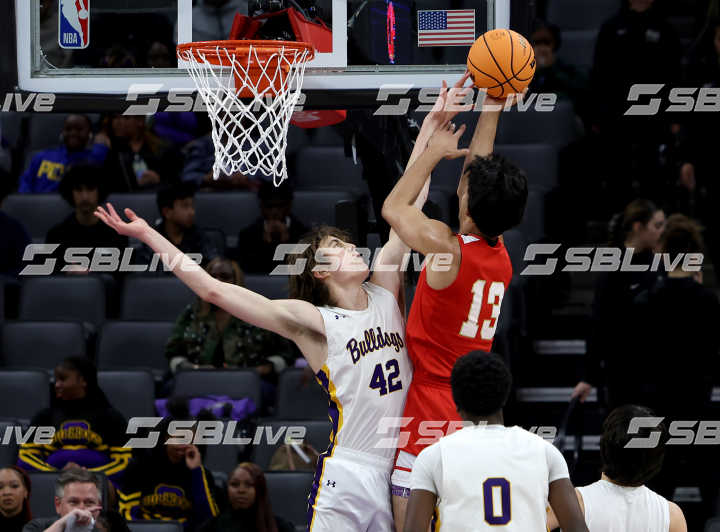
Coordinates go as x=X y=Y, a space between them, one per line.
x=494 y=297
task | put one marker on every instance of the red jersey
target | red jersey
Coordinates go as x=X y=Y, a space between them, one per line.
x=445 y=324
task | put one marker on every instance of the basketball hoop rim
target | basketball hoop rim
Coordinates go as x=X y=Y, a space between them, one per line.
x=218 y=52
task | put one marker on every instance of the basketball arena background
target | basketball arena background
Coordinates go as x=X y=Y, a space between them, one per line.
x=627 y=145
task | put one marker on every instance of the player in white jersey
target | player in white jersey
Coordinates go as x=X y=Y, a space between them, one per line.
x=487 y=476
x=620 y=501
x=351 y=332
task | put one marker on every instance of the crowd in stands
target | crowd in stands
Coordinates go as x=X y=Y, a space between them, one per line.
x=649 y=180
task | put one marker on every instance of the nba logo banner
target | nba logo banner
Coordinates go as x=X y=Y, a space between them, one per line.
x=74 y=24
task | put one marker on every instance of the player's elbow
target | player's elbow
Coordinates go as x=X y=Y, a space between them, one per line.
x=211 y=292
x=391 y=213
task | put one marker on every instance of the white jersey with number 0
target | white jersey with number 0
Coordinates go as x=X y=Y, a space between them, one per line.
x=367 y=372
x=613 y=508
x=489 y=478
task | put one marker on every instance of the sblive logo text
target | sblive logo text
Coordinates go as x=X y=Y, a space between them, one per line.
x=456 y=101
x=429 y=432
x=19 y=435
x=102 y=260
x=680 y=432
x=208 y=433
x=604 y=259
x=39 y=102
x=680 y=100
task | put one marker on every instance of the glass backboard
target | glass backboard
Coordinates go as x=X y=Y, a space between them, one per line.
x=125 y=48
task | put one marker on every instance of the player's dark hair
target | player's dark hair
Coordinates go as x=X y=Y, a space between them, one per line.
x=629 y=466
x=480 y=383
x=639 y=210
x=497 y=194
x=79 y=175
x=168 y=195
x=88 y=371
x=681 y=235
x=306 y=286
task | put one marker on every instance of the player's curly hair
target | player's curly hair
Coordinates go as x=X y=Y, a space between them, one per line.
x=497 y=194
x=480 y=383
x=629 y=466
x=306 y=286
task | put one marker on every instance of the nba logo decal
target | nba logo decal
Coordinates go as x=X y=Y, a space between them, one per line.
x=74 y=24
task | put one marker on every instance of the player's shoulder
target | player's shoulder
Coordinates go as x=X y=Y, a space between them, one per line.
x=376 y=289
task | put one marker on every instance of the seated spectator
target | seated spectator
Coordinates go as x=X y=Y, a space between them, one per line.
x=176 y=204
x=14 y=499
x=552 y=75
x=213 y=19
x=83 y=188
x=111 y=521
x=206 y=336
x=250 y=507
x=277 y=225
x=138 y=159
x=651 y=367
x=168 y=482
x=198 y=169
x=89 y=432
x=13 y=239
x=78 y=499
x=638 y=228
x=78 y=145
x=159 y=55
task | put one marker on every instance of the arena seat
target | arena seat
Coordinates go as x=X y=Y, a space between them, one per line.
x=441 y=198
x=236 y=384
x=37 y=212
x=590 y=14
x=578 y=48
x=45 y=130
x=222 y=459
x=558 y=127
x=155 y=526
x=141 y=203
x=24 y=394
x=42 y=498
x=327 y=167
x=299 y=396
x=134 y=345
x=288 y=493
x=154 y=299
x=713 y=525
x=270 y=286
x=533 y=225
x=9 y=451
x=539 y=161
x=515 y=244
x=132 y=393
x=11 y=127
x=317 y=435
x=318 y=207
x=40 y=344
x=63 y=299
x=217 y=239
x=229 y=211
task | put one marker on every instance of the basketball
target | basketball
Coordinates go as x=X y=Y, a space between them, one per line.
x=501 y=61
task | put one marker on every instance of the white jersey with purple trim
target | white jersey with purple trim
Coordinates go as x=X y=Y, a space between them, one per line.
x=613 y=508
x=367 y=372
x=489 y=478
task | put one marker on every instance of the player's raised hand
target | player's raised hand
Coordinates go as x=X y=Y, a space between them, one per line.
x=444 y=142
x=135 y=228
x=449 y=103
x=499 y=104
x=193 y=458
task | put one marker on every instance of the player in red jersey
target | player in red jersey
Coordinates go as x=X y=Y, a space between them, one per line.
x=456 y=308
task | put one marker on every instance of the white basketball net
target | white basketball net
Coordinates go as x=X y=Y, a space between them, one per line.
x=249 y=136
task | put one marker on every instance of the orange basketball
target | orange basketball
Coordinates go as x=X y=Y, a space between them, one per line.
x=501 y=61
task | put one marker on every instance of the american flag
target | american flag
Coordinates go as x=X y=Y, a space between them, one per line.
x=455 y=27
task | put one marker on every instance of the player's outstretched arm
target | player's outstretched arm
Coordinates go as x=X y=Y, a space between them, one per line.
x=295 y=320
x=564 y=502
x=412 y=226
x=419 y=511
